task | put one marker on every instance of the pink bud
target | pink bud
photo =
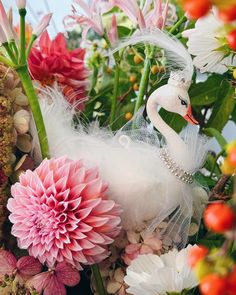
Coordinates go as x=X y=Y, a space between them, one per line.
x=3 y=38
x=21 y=4
x=7 y=28
x=43 y=24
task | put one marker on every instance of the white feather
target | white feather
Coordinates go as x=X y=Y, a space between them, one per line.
x=177 y=54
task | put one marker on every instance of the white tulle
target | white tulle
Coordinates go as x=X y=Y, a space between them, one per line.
x=129 y=161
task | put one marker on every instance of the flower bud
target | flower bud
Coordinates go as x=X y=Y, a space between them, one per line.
x=42 y=25
x=21 y=4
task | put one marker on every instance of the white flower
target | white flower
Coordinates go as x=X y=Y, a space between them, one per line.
x=153 y=275
x=21 y=4
x=204 y=42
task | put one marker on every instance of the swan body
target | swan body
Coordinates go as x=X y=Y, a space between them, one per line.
x=131 y=160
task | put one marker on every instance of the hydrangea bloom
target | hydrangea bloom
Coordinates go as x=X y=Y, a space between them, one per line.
x=60 y=213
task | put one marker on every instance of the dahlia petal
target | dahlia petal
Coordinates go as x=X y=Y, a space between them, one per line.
x=7 y=262
x=96 y=221
x=95 y=237
x=93 y=189
x=28 y=266
x=67 y=275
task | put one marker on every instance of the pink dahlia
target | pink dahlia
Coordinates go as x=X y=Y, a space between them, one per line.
x=24 y=268
x=60 y=213
x=51 y=62
x=52 y=282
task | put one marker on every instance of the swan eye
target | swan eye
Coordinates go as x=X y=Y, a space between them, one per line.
x=183 y=102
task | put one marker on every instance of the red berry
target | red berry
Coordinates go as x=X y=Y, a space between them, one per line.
x=219 y=217
x=213 y=284
x=231 y=282
x=232 y=157
x=197 y=8
x=228 y=14
x=196 y=254
x=231 y=39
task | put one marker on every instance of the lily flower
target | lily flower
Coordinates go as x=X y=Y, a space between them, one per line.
x=152 y=15
x=3 y=37
x=92 y=16
x=42 y=25
x=112 y=32
x=4 y=21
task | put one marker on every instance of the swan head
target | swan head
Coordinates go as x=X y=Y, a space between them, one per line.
x=175 y=99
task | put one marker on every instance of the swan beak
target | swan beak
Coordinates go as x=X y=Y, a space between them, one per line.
x=189 y=117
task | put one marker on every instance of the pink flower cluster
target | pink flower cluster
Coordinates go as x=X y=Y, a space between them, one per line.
x=148 y=244
x=52 y=62
x=60 y=213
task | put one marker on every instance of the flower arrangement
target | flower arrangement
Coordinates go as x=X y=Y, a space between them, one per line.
x=100 y=193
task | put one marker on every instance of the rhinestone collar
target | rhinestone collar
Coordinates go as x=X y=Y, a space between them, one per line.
x=175 y=168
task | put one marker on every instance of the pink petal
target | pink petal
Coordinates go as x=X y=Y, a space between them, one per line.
x=67 y=275
x=7 y=262
x=40 y=281
x=54 y=287
x=28 y=266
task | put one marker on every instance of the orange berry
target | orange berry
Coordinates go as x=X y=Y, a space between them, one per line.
x=231 y=39
x=196 y=254
x=136 y=87
x=213 y=284
x=231 y=282
x=197 y=8
x=155 y=69
x=227 y=14
x=137 y=59
x=132 y=78
x=219 y=217
x=232 y=157
x=128 y=116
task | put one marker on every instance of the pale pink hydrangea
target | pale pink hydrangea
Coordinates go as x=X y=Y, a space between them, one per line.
x=148 y=244
x=60 y=213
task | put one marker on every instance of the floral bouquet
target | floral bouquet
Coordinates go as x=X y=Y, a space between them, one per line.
x=105 y=187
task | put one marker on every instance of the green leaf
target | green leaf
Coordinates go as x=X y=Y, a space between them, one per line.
x=205 y=93
x=223 y=106
x=218 y=136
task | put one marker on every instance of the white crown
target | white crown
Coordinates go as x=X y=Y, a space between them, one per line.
x=179 y=79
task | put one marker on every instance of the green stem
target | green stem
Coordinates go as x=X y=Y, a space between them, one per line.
x=143 y=82
x=22 y=13
x=14 y=48
x=6 y=61
x=10 y=53
x=35 y=108
x=115 y=94
x=94 y=79
x=178 y=24
x=31 y=42
x=98 y=280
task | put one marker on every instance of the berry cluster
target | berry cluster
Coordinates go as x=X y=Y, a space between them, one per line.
x=215 y=269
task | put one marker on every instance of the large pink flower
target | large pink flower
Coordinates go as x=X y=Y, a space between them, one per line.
x=60 y=213
x=51 y=61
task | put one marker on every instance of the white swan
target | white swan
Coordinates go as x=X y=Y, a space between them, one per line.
x=150 y=179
